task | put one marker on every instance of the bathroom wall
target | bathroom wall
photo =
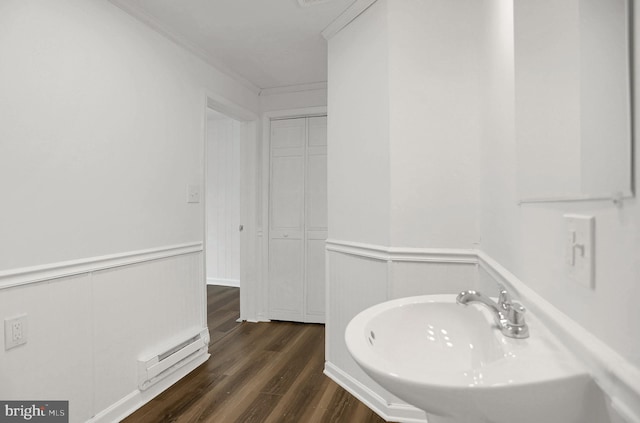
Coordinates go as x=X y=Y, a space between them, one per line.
x=446 y=97
x=529 y=240
x=434 y=121
x=358 y=128
x=403 y=155
x=102 y=130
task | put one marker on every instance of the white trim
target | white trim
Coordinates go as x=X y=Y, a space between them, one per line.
x=346 y=17
x=399 y=254
x=396 y=412
x=136 y=399
x=616 y=198
x=267 y=117
x=224 y=282
x=35 y=274
x=182 y=41
x=313 y=86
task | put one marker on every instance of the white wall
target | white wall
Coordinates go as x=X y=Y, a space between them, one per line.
x=529 y=240
x=403 y=147
x=447 y=181
x=499 y=213
x=103 y=117
x=434 y=120
x=223 y=201
x=101 y=131
x=273 y=100
x=358 y=130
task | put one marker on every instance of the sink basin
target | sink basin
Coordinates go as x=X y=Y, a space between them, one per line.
x=454 y=363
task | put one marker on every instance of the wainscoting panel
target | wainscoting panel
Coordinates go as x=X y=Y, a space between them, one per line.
x=91 y=320
x=426 y=278
x=58 y=353
x=137 y=311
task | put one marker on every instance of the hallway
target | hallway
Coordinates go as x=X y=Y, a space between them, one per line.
x=258 y=372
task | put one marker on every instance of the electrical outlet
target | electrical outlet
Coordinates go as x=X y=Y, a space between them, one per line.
x=193 y=194
x=15 y=331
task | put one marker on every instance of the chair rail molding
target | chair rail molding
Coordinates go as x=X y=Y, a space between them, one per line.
x=405 y=254
x=34 y=274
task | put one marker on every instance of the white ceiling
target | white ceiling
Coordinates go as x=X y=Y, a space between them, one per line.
x=270 y=43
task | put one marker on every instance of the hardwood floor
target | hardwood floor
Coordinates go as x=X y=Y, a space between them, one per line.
x=257 y=373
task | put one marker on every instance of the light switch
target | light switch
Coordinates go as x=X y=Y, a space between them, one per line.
x=580 y=249
x=193 y=194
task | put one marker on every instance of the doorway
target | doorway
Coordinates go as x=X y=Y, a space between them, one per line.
x=223 y=225
x=230 y=201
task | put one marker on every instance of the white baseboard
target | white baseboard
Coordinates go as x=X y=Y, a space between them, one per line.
x=136 y=399
x=402 y=413
x=224 y=282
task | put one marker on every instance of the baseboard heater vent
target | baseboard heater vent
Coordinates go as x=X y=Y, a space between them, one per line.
x=155 y=368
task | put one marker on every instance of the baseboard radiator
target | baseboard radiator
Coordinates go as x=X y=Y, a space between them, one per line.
x=155 y=368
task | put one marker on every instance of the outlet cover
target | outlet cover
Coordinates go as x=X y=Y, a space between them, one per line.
x=15 y=331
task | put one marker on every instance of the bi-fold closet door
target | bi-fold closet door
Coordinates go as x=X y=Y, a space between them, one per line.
x=298 y=219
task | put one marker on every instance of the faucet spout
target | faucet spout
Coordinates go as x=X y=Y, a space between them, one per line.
x=475 y=297
x=509 y=316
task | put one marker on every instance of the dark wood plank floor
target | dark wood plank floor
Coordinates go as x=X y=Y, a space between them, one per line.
x=257 y=373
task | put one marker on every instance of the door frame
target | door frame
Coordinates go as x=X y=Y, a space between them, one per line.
x=249 y=159
x=263 y=234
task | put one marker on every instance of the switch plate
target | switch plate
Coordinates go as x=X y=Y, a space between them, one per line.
x=193 y=194
x=580 y=249
x=15 y=331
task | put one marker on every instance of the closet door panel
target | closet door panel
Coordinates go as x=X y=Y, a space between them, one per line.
x=288 y=133
x=316 y=192
x=315 y=266
x=315 y=219
x=285 y=279
x=287 y=192
x=297 y=219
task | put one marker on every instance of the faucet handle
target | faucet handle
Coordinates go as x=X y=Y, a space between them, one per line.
x=504 y=299
x=515 y=314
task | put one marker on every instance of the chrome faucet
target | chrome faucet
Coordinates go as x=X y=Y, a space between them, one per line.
x=509 y=316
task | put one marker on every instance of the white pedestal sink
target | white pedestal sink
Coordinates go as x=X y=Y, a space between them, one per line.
x=452 y=361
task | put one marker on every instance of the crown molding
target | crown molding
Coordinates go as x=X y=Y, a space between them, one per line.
x=313 y=86
x=179 y=39
x=345 y=18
